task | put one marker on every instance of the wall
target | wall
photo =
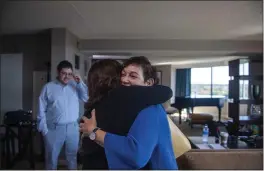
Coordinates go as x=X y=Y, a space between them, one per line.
x=36 y=52
x=168 y=77
x=166 y=74
x=2 y=4
x=58 y=52
x=11 y=94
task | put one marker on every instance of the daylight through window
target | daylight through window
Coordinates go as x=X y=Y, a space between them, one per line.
x=209 y=82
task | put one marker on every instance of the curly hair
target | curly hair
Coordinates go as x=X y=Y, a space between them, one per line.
x=103 y=76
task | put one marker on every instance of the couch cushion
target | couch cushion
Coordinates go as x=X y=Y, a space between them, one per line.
x=222 y=159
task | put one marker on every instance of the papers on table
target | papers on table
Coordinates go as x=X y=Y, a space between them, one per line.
x=203 y=146
x=216 y=146
x=210 y=146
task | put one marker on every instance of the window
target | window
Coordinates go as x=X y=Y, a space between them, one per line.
x=209 y=82
x=243 y=67
x=220 y=79
x=243 y=89
x=201 y=82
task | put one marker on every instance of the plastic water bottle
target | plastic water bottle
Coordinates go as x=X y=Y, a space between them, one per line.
x=205 y=134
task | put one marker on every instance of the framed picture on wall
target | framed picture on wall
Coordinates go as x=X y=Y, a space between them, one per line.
x=85 y=67
x=85 y=70
x=77 y=62
x=159 y=76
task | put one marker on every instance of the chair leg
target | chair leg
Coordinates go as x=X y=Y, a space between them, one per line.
x=7 y=147
x=3 y=155
x=19 y=141
x=31 y=149
x=12 y=140
x=191 y=124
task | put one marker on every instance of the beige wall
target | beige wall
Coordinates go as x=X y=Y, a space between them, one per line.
x=166 y=74
x=167 y=77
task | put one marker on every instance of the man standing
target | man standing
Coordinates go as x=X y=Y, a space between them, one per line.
x=59 y=113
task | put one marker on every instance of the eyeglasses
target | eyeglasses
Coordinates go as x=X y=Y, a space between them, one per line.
x=66 y=74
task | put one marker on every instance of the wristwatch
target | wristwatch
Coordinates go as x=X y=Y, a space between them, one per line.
x=92 y=135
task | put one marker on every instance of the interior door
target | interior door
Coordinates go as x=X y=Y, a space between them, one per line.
x=11 y=83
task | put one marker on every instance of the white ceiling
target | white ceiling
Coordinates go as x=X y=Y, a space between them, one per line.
x=183 y=20
x=138 y=19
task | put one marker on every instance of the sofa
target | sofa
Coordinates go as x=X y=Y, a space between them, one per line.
x=233 y=159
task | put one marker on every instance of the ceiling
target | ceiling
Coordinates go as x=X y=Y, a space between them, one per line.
x=138 y=19
x=183 y=20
